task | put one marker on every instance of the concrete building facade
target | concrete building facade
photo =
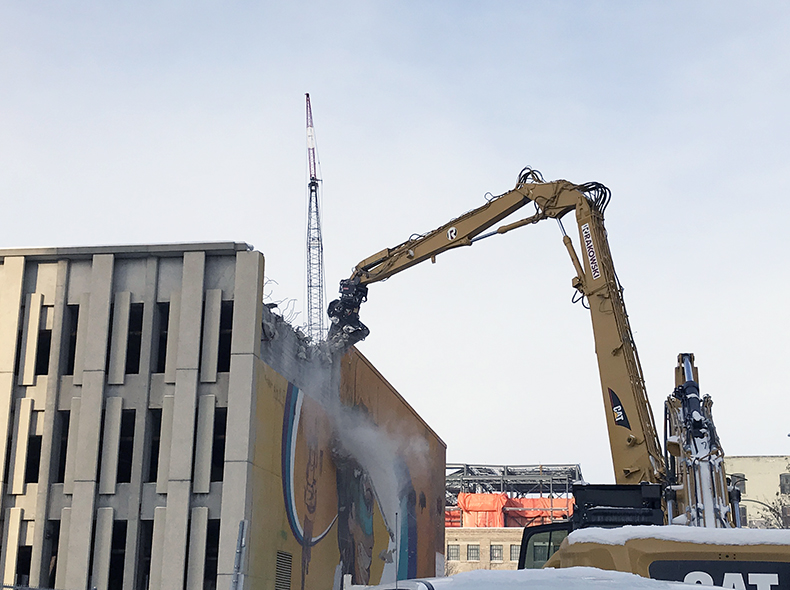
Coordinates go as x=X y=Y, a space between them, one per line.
x=141 y=423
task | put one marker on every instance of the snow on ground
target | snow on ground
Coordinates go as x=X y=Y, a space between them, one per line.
x=618 y=536
x=574 y=578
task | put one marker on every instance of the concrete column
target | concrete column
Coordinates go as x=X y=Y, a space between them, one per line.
x=158 y=550
x=11 y=545
x=39 y=565
x=197 y=549
x=19 y=444
x=63 y=548
x=71 y=445
x=27 y=357
x=184 y=409
x=210 y=354
x=204 y=443
x=111 y=442
x=173 y=324
x=82 y=338
x=102 y=546
x=140 y=405
x=10 y=304
x=119 y=338
x=242 y=392
x=165 y=438
x=91 y=406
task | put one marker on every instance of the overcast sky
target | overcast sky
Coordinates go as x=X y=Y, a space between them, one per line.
x=145 y=122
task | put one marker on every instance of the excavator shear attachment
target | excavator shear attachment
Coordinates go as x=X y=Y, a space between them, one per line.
x=346 y=329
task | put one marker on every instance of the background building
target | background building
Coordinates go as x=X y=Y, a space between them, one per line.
x=153 y=413
x=488 y=506
x=764 y=481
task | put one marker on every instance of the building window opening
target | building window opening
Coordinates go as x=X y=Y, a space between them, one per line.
x=18 y=358
x=42 y=351
x=212 y=555
x=218 y=446
x=7 y=458
x=117 y=555
x=784 y=483
x=109 y=340
x=72 y=317
x=33 y=458
x=496 y=552
x=53 y=538
x=126 y=447
x=473 y=553
x=134 y=340
x=63 y=440
x=155 y=417
x=453 y=552
x=515 y=550
x=162 y=322
x=225 y=336
x=144 y=555
x=23 y=564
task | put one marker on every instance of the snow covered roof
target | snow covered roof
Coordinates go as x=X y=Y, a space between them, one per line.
x=618 y=536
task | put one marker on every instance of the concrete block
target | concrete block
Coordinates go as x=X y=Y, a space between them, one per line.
x=196 y=564
x=101 y=553
x=71 y=446
x=19 y=443
x=6 y=397
x=99 y=313
x=89 y=426
x=10 y=304
x=119 y=338
x=239 y=441
x=210 y=353
x=158 y=550
x=30 y=326
x=248 y=293
x=63 y=548
x=191 y=310
x=80 y=533
x=11 y=544
x=174 y=550
x=183 y=435
x=201 y=480
x=165 y=440
x=173 y=326
x=236 y=506
x=111 y=441
x=82 y=337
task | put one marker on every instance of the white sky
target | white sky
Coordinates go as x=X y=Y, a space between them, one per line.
x=172 y=121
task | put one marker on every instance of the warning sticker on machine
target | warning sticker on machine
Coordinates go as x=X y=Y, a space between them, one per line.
x=590 y=248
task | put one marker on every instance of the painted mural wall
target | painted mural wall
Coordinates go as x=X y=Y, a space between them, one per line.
x=348 y=480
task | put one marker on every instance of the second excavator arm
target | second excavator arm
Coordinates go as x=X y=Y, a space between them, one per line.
x=636 y=452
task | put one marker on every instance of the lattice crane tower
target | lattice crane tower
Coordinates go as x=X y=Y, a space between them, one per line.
x=315 y=246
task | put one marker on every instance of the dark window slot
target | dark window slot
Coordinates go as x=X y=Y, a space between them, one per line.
x=155 y=417
x=162 y=323
x=144 y=553
x=117 y=555
x=18 y=358
x=63 y=440
x=33 y=458
x=23 y=564
x=218 y=444
x=126 y=446
x=72 y=318
x=42 y=351
x=212 y=555
x=225 y=336
x=135 y=339
x=53 y=539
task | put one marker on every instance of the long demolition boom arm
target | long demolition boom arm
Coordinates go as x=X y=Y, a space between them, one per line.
x=636 y=451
